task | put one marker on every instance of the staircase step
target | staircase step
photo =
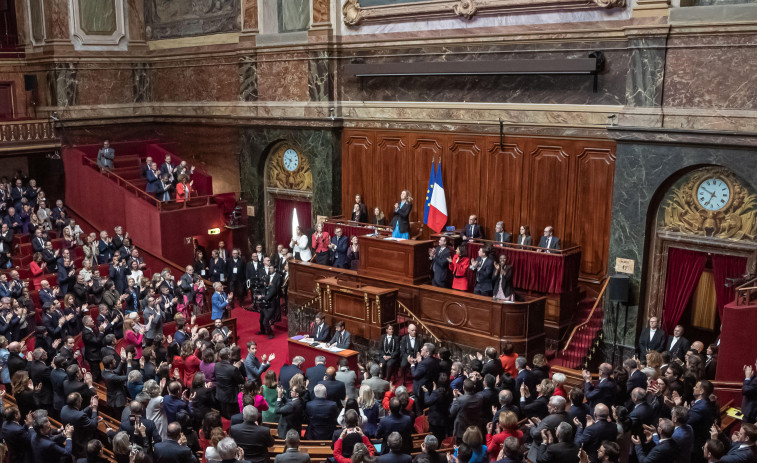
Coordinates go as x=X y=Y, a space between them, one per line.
x=128 y=160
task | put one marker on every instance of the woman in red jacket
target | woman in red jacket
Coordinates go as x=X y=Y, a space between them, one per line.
x=38 y=270
x=459 y=266
x=320 y=244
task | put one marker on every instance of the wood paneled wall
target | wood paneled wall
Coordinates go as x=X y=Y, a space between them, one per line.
x=566 y=183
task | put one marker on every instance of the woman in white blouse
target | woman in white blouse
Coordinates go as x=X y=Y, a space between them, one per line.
x=300 y=247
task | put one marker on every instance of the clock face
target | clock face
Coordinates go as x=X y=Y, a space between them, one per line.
x=291 y=159
x=713 y=193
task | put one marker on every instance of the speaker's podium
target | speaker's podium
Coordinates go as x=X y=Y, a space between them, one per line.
x=400 y=260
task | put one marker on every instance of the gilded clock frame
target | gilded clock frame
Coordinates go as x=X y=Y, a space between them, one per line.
x=726 y=180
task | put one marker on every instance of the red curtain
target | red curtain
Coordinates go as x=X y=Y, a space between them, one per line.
x=283 y=219
x=684 y=269
x=726 y=267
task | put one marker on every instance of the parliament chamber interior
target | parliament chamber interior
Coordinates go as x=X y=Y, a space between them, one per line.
x=378 y=230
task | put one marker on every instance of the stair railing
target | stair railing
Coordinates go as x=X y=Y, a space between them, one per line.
x=420 y=326
x=581 y=327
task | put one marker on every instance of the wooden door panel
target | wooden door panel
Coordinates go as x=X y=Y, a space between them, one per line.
x=461 y=170
x=548 y=190
x=390 y=170
x=423 y=149
x=357 y=167
x=594 y=185
x=504 y=186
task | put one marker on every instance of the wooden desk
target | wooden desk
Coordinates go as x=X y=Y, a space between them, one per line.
x=309 y=353
x=404 y=260
x=365 y=309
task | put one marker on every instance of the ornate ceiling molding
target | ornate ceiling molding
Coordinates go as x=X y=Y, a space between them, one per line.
x=353 y=14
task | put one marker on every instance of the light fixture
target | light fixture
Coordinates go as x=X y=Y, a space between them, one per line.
x=214 y=231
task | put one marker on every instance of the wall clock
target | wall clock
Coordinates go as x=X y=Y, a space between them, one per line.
x=713 y=193
x=291 y=160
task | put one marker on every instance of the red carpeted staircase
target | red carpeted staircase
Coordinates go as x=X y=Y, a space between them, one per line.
x=585 y=338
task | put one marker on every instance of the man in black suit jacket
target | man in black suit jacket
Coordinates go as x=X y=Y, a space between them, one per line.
x=320 y=331
x=749 y=394
x=93 y=343
x=38 y=242
x=39 y=373
x=395 y=453
x=115 y=383
x=253 y=439
x=291 y=410
x=84 y=421
x=651 y=338
x=549 y=241
x=338 y=249
x=228 y=379
x=77 y=382
x=466 y=410
x=46 y=448
x=425 y=370
x=322 y=414
x=141 y=430
x=269 y=301
x=389 y=353
x=316 y=373
x=16 y=435
x=174 y=449
x=439 y=257
x=743 y=448
x=564 y=450
x=287 y=372
x=525 y=376
x=397 y=422
x=635 y=379
x=484 y=268
x=642 y=413
x=664 y=452
x=235 y=271
x=604 y=392
x=410 y=345
x=292 y=453
x=598 y=429
x=500 y=234
x=6 y=244
x=677 y=345
x=336 y=391
x=472 y=230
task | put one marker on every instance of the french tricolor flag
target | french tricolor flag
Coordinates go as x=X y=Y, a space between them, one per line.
x=437 y=211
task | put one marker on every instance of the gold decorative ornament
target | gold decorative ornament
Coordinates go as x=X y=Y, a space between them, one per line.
x=712 y=203
x=290 y=170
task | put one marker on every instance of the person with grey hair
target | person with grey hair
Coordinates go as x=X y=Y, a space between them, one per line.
x=561 y=449
x=557 y=415
x=376 y=383
x=500 y=234
x=322 y=414
x=228 y=450
x=425 y=370
x=251 y=437
x=505 y=405
x=174 y=448
x=287 y=372
x=524 y=377
x=292 y=453
x=642 y=413
x=316 y=373
x=228 y=379
x=429 y=447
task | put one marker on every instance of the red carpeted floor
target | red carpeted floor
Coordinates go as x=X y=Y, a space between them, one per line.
x=248 y=325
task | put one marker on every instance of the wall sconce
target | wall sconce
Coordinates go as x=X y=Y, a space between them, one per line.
x=214 y=231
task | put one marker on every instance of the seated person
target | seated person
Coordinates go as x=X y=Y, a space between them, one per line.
x=472 y=230
x=549 y=240
x=500 y=234
x=341 y=337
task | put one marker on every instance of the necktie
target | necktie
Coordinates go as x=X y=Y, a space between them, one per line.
x=318 y=332
x=549 y=241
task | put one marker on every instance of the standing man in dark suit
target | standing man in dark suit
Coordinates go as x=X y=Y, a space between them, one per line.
x=410 y=345
x=642 y=413
x=84 y=421
x=6 y=244
x=425 y=370
x=549 y=240
x=749 y=394
x=287 y=372
x=141 y=430
x=440 y=258
x=93 y=343
x=677 y=345
x=524 y=376
x=291 y=411
x=336 y=391
x=484 y=268
x=174 y=449
x=46 y=448
x=322 y=414
x=664 y=452
x=117 y=273
x=228 y=379
x=500 y=234
x=338 y=247
x=472 y=230
x=604 y=391
x=598 y=429
x=651 y=338
x=389 y=353
x=270 y=301
x=743 y=448
x=466 y=410
x=315 y=374
x=635 y=379
x=292 y=453
x=17 y=436
x=236 y=277
x=320 y=331
x=561 y=451
x=39 y=373
x=397 y=422
x=253 y=439
x=115 y=382
x=700 y=416
x=253 y=366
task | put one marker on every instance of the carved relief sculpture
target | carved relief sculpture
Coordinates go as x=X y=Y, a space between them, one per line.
x=713 y=203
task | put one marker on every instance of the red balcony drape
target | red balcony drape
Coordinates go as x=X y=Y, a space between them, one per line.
x=723 y=267
x=283 y=219
x=684 y=269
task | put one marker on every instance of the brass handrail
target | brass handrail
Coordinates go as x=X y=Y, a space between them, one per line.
x=588 y=318
x=417 y=320
x=743 y=293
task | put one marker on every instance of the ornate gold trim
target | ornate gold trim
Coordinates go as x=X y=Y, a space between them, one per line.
x=354 y=15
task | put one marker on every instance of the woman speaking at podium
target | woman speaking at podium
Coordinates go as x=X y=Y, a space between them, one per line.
x=401 y=222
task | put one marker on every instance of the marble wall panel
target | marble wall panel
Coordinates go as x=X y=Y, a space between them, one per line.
x=282 y=79
x=201 y=80
x=250 y=15
x=645 y=72
x=321 y=149
x=135 y=13
x=712 y=72
x=56 y=19
x=647 y=172
x=97 y=17
x=320 y=77
x=248 y=78
x=63 y=84
x=99 y=84
x=557 y=89
x=142 y=82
